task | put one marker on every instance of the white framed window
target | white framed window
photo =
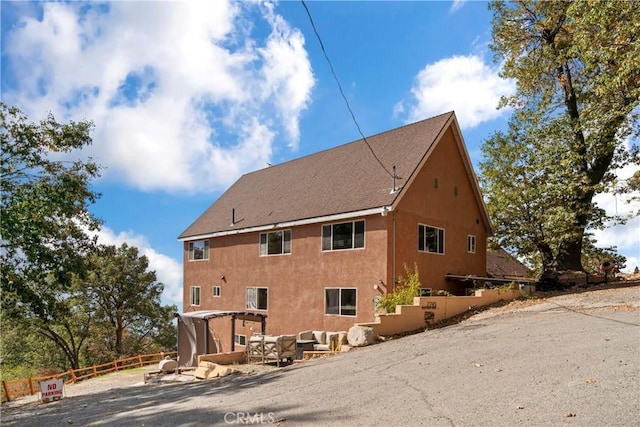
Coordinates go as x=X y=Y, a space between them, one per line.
x=471 y=244
x=424 y=292
x=343 y=235
x=198 y=250
x=240 y=339
x=216 y=291
x=430 y=239
x=257 y=298
x=275 y=243
x=194 y=299
x=340 y=301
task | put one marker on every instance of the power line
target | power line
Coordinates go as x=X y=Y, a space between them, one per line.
x=353 y=117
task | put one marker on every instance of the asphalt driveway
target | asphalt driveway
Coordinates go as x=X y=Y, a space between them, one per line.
x=571 y=360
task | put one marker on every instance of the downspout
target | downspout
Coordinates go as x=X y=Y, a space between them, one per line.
x=393 y=251
x=233 y=333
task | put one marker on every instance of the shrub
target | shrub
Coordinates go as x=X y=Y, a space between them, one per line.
x=404 y=292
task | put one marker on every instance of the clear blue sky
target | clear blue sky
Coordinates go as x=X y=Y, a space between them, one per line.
x=186 y=97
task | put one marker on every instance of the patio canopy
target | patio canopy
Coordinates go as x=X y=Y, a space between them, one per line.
x=193 y=332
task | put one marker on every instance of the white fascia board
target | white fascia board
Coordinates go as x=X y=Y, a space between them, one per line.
x=383 y=210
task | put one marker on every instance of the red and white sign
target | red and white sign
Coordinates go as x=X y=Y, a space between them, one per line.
x=51 y=390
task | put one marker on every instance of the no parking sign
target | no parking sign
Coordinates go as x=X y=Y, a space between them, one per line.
x=51 y=390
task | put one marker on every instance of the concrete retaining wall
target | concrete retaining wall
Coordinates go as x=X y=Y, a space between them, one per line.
x=429 y=310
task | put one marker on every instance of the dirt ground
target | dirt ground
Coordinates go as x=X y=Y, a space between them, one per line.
x=131 y=378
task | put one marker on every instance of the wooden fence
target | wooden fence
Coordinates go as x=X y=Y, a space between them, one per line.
x=13 y=389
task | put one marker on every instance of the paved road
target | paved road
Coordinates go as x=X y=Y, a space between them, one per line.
x=572 y=360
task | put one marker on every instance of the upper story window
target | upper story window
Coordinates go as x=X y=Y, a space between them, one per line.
x=216 y=291
x=344 y=235
x=471 y=244
x=430 y=239
x=198 y=249
x=257 y=299
x=275 y=243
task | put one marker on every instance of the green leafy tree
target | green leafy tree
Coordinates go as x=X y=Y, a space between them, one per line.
x=25 y=353
x=125 y=301
x=68 y=326
x=44 y=216
x=404 y=292
x=111 y=310
x=577 y=97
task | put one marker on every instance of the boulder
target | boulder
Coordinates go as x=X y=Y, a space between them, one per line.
x=206 y=370
x=167 y=365
x=360 y=336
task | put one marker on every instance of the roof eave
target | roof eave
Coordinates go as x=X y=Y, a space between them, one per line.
x=380 y=210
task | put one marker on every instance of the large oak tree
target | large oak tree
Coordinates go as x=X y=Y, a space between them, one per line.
x=44 y=201
x=55 y=281
x=576 y=103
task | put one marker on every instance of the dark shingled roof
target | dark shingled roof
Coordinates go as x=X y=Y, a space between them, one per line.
x=501 y=264
x=343 y=179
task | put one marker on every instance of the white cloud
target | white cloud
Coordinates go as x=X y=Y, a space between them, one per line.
x=398 y=109
x=625 y=237
x=168 y=270
x=464 y=84
x=177 y=90
x=456 y=5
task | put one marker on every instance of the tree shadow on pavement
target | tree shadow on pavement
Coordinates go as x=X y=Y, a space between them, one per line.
x=191 y=403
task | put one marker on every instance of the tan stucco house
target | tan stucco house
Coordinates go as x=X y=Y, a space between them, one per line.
x=314 y=241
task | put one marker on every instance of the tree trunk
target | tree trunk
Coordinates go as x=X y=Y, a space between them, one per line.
x=569 y=256
x=549 y=277
x=119 y=335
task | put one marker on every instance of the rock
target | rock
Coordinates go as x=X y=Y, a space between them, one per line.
x=360 y=336
x=208 y=370
x=167 y=365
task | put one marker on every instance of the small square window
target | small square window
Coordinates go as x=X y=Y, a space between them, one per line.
x=240 y=339
x=424 y=292
x=216 y=291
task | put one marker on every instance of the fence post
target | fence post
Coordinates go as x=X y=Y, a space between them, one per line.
x=95 y=371
x=31 y=391
x=73 y=375
x=115 y=365
x=6 y=390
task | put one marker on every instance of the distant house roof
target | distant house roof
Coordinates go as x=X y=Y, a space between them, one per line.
x=345 y=180
x=501 y=264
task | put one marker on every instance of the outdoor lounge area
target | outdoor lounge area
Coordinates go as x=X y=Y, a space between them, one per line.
x=269 y=348
x=278 y=348
x=322 y=340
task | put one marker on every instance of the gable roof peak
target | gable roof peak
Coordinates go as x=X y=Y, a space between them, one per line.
x=339 y=180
